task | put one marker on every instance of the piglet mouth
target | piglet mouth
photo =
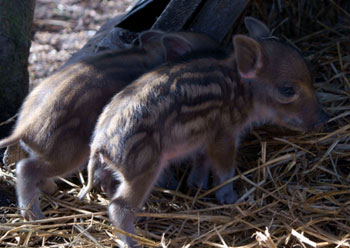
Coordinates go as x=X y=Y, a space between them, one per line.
x=296 y=125
x=318 y=121
x=308 y=124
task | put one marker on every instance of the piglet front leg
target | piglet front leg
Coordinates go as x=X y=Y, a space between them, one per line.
x=222 y=154
x=167 y=179
x=200 y=171
x=138 y=173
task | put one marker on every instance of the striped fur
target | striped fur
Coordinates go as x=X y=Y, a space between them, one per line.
x=198 y=104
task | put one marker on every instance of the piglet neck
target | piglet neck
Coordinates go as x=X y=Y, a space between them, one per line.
x=250 y=112
x=260 y=114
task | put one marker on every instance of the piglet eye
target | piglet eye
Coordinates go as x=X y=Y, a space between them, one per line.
x=286 y=91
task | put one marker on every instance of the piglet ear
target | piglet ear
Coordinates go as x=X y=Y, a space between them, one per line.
x=149 y=36
x=175 y=46
x=249 y=56
x=256 y=28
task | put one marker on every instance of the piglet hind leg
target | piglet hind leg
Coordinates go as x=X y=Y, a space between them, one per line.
x=222 y=155
x=128 y=198
x=29 y=180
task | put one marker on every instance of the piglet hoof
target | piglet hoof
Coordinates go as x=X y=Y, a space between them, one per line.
x=32 y=214
x=226 y=195
x=122 y=217
x=128 y=243
x=30 y=209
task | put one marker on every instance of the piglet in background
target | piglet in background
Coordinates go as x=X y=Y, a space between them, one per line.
x=57 y=118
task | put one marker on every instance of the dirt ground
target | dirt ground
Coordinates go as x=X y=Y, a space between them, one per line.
x=62 y=27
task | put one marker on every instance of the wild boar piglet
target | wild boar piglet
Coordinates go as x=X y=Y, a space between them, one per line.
x=57 y=118
x=200 y=104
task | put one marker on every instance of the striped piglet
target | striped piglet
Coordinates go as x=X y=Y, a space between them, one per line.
x=57 y=118
x=200 y=104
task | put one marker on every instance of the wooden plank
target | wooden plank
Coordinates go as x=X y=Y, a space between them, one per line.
x=217 y=17
x=176 y=15
x=143 y=15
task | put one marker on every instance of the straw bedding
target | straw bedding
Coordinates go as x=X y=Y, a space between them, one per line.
x=294 y=187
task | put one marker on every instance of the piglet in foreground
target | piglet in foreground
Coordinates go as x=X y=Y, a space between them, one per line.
x=57 y=119
x=201 y=104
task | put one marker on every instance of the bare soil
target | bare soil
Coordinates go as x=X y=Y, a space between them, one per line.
x=62 y=27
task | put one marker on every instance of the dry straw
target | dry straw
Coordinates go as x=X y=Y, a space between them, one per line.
x=294 y=188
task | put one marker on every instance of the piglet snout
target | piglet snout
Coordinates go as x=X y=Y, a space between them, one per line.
x=323 y=118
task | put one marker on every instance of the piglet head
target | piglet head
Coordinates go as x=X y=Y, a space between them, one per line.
x=279 y=80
